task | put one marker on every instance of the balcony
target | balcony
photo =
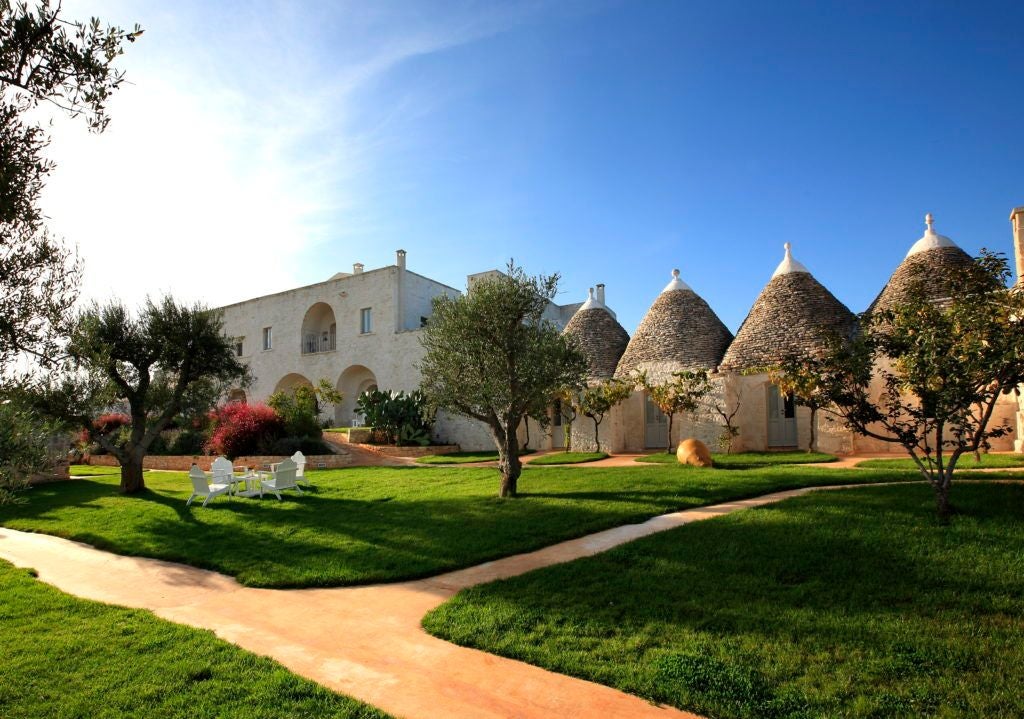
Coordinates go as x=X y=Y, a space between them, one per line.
x=316 y=343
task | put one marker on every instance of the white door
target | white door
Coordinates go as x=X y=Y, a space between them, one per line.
x=655 y=425
x=781 y=419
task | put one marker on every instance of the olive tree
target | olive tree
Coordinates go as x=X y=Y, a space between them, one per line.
x=927 y=374
x=44 y=58
x=24 y=437
x=491 y=356
x=157 y=363
x=804 y=381
x=682 y=393
x=598 y=399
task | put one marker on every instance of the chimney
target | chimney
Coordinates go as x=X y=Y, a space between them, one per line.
x=400 y=291
x=1017 y=223
x=600 y=293
x=357 y=268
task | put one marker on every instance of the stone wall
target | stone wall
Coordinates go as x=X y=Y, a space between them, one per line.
x=393 y=451
x=182 y=463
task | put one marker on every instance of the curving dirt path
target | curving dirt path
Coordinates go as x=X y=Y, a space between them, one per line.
x=365 y=641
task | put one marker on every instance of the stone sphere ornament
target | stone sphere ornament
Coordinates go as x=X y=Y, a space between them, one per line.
x=694 y=452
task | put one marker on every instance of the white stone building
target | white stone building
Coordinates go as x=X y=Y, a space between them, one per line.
x=360 y=330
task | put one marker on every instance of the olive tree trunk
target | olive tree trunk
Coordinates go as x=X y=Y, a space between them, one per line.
x=813 y=446
x=131 y=471
x=509 y=463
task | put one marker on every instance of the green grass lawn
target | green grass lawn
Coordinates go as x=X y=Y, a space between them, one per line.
x=849 y=603
x=374 y=524
x=994 y=461
x=465 y=457
x=747 y=460
x=69 y=657
x=89 y=470
x=568 y=458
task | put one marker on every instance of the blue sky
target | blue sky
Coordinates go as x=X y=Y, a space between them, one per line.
x=265 y=145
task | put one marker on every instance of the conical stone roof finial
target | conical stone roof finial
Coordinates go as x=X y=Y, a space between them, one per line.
x=788 y=264
x=676 y=283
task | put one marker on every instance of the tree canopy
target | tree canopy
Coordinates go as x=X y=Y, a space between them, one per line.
x=167 y=359
x=682 y=393
x=491 y=356
x=927 y=374
x=44 y=58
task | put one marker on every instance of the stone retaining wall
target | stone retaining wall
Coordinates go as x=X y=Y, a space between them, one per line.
x=389 y=450
x=182 y=463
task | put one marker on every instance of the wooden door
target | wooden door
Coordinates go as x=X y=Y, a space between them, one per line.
x=655 y=426
x=781 y=419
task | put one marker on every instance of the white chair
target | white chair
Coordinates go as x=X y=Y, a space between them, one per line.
x=283 y=477
x=201 y=487
x=300 y=468
x=224 y=473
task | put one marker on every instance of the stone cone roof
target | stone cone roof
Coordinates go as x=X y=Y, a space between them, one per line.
x=937 y=265
x=601 y=337
x=792 y=315
x=679 y=332
x=935 y=258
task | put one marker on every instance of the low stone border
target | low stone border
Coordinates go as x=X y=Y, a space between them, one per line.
x=182 y=463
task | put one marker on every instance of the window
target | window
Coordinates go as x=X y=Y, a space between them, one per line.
x=238 y=349
x=268 y=338
x=365 y=321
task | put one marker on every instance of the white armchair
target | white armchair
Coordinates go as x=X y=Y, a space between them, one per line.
x=202 y=488
x=283 y=477
x=300 y=468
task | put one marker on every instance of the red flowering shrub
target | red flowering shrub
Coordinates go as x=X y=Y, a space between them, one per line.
x=107 y=423
x=244 y=429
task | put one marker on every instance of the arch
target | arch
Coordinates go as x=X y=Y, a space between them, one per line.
x=355 y=380
x=237 y=396
x=319 y=329
x=289 y=382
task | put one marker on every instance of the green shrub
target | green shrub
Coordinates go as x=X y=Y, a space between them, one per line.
x=287 y=446
x=396 y=417
x=188 y=441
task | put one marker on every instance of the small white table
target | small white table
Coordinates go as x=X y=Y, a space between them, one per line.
x=251 y=480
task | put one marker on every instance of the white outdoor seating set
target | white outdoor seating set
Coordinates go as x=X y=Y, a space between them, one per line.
x=224 y=478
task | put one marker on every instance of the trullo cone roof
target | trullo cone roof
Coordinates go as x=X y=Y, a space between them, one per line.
x=600 y=336
x=934 y=257
x=679 y=332
x=792 y=315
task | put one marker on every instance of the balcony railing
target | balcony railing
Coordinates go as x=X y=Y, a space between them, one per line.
x=314 y=343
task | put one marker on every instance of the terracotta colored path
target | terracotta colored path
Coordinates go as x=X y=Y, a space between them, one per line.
x=363 y=641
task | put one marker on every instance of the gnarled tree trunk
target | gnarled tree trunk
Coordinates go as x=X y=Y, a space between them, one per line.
x=131 y=471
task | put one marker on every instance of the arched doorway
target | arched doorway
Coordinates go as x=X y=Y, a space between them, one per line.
x=353 y=382
x=289 y=382
x=236 y=396
x=319 y=330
